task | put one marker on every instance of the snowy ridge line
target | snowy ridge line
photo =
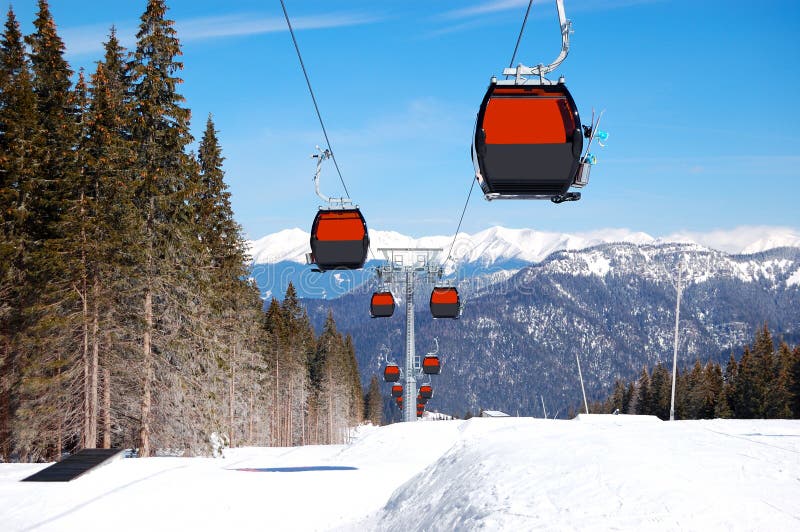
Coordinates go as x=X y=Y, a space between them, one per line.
x=499 y=244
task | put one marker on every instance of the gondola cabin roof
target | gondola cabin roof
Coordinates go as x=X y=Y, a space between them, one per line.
x=339 y=239
x=528 y=141
x=445 y=302
x=382 y=305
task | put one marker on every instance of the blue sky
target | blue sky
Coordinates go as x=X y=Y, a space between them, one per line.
x=700 y=98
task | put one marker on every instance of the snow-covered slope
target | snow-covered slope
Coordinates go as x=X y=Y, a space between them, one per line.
x=592 y=473
x=498 y=244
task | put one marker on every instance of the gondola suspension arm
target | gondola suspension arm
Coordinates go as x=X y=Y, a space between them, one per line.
x=540 y=70
x=332 y=202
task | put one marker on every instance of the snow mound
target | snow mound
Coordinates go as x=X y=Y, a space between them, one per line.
x=605 y=472
x=593 y=473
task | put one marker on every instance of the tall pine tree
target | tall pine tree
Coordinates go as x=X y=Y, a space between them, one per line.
x=19 y=135
x=160 y=134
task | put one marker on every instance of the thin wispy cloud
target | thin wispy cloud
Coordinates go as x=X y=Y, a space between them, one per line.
x=497 y=6
x=88 y=39
x=238 y=25
x=486 y=7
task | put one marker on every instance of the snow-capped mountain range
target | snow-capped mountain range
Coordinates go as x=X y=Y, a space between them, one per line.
x=491 y=255
x=498 y=244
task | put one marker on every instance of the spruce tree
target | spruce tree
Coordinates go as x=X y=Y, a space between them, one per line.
x=160 y=134
x=747 y=396
x=766 y=372
x=780 y=391
x=729 y=388
x=274 y=329
x=353 y=382
x=49 y=413
x=329 y=374
x=643 y=395
x=618 y=396
x=373 y=402
x=109 y=174
x=794 y=382
x=18 y=138
x=712 y=391
x=660 y=392
x=56 y=117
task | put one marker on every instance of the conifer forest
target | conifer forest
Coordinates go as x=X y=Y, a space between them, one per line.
x=763 y=384
x=126 y=315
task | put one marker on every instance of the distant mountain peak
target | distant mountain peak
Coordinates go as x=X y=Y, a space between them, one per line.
x=501 y=244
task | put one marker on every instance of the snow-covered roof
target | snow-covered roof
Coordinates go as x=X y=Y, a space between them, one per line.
x=493 y=413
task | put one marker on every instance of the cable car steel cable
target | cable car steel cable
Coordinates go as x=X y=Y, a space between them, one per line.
x=313 y=98
x=339 y=236
x=519 y=37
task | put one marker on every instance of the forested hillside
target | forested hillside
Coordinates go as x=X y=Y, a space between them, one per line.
x=126 y=316
x=613 y=305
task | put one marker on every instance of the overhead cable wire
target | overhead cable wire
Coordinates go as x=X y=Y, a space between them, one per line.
x=313 y=98
x=455 y=236
x=519 y=38
x=472 y=186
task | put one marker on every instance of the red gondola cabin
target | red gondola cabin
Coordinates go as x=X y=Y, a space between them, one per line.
x=528 y=141
x=445 y=302
x=431 y=365
x=391 y=373
x=397 y=390
x=339 y=239
x=426 y=391
x=382 y=305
